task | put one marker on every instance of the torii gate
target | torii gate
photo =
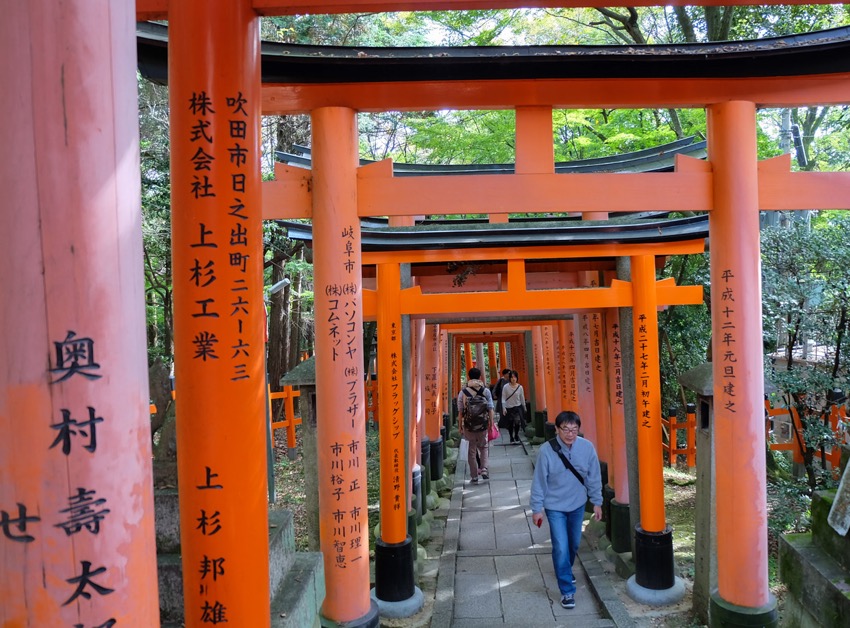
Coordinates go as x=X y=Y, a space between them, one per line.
x=74 y=369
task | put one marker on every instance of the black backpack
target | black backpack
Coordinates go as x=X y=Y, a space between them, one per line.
x=476 y=414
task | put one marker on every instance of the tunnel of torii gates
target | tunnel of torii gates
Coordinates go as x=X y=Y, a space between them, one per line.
x=76 y=504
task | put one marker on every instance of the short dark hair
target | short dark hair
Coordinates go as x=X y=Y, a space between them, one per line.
x=567 y=416
x=474 y=373
x=506 y=371
x=515 y=374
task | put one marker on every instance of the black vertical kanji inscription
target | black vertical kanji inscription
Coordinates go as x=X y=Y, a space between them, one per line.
x=82 y=513
x=66 y=431
x=6 y=522
x=75 y=355
x=85 y=579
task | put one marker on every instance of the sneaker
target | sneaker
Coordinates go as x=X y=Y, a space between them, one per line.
x=574 y=580
x=474 y=480
x=485 y=474
x=568 y=601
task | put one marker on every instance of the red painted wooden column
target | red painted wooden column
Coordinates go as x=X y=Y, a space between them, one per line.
x=539 y=368
x=618 y=420
x=602 y=406
x=77 y=533
x=572 y=366
x=648 y=392
x=584 y=372
x=431 y=378
x=737 y=367
x=391 y=425
x=563 y=352
x=219 y=314
x=341 y=429
x=550 y=373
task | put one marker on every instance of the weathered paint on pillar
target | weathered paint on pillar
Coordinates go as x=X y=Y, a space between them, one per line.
x=391 y=424
x=77 y=543
x=431 y=380
x=620 y=475
x=340 y=405
x=539 y=367
x=601 y=404
x=219 y=315
x=503 y=357
x=737 y=350
x=648 y=394
x=584 y=371
x=550 y=372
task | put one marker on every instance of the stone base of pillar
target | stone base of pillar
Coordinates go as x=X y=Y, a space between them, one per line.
x=416 y=491
x=372 y=619
x=619 y=536
x=438 y=453
x=538 y=422
x=394 y=573
x=728 y=615
x=402 y=608
x=425 y=466
x=548 y=431
x=607 y=498
x=654 y=582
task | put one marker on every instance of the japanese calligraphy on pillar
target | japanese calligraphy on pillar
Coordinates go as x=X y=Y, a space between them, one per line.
x=548 y=357
x=728 y=343
x=563 y=374
x=573 y=376
x=397 y=434
x=598 y=351
x=587 y=359
x=431 y=386
x=616 y=364
x=349 y=521
x=220 y=248
x=73 y=439
x=643 y=375
x=344 y=330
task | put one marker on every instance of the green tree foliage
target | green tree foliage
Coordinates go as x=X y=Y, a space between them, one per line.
x=806 y=296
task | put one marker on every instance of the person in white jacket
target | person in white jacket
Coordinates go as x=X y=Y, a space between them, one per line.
x=513 y=405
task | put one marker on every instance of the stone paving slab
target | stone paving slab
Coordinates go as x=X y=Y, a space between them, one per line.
x=501 y=566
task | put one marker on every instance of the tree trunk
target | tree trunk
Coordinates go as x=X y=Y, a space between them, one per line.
x=277 y=319
x=295 y=322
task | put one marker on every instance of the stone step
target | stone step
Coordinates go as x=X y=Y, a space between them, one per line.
x=281 y=546
x=298 y=600
x=170 y=574
x=823 y=534
x=818 y=583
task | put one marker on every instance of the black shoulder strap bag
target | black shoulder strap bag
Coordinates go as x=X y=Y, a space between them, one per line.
x=557 y=449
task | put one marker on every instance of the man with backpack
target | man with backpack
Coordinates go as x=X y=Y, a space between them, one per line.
x=475 y=407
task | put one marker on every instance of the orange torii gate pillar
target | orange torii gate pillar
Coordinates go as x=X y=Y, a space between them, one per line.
x=654 y=581
x=340 y=407
x=395 y=591
x=76 y=497
x=743 y=596
x=219 y=311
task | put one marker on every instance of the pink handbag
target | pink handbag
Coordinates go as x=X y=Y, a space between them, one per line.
x=493 y=434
